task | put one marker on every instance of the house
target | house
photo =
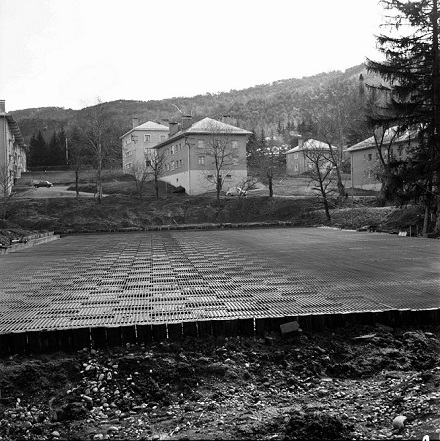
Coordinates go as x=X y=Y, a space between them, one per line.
x=365 y=156
x=12 y=151
x=192 y=149
x=139 y=140
x=298 y=160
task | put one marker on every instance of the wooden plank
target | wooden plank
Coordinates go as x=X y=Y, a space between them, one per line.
x=128 y=334
x=245 y=327
x=81 y=338
x=175 y=331
x=218 y=328
x=305 y=322
x=49 y=342
x=99 y=337
x=205 y=328
x=144 y=334
x=35 y=345
x=114 y=338
x=159 y=332
x=65 y=340
x=262 y=326
x=318 y=322
x=190 y=329
x=231 y=328
x=19 y=341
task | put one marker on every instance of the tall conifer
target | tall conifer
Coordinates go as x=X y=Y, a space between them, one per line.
x=412 y=67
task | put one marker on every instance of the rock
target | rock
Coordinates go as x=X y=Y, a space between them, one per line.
x=55 y=434
x=289 y=328
x=113 y=429
x=399 y=422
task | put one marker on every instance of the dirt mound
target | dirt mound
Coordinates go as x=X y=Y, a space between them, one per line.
x=348 y=383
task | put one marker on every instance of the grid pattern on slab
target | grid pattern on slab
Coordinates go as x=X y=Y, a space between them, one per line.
x=157 y=277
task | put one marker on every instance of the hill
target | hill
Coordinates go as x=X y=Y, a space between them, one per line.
x=261 y=106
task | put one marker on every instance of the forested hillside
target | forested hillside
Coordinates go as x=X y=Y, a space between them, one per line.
x=260 y=107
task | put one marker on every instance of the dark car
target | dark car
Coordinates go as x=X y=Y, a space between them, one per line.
x=43 y=184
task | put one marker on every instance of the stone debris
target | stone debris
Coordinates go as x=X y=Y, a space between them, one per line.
x=292 y=386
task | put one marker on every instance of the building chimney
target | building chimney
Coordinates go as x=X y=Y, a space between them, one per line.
x=186 y=121
x=135 y=122
x=174 y=128
x=227 y=119
x=300 y=141
x=2 y=106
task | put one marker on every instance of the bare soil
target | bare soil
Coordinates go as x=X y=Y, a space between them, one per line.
x=349 y=383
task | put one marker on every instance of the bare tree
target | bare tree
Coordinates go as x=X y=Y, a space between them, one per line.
x=322 y=175
x=6 y=194
x=141 y=174
x=155 y=160
x=79 y=157
x=220 y=152
x=329 y=116
x=100 y=136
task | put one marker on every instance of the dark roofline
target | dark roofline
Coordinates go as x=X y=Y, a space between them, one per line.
x=14 y=129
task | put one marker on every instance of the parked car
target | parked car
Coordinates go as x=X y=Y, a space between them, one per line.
x=236 y=192
x=42 y=184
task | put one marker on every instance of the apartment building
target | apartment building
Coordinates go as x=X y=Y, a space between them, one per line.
x=365 y=155
x=140 y=140
x=12 y=150
x=192 y=153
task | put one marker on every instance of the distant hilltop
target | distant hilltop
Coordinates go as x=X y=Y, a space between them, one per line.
x=262 y=106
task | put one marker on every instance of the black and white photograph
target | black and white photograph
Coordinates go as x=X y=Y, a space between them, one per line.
x=219 y=220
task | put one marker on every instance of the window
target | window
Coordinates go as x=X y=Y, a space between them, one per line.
x=172 y=165
x=296 y=167
x=210 y=177
x=128 y=140
x=229 y=177
x=235 y=144
x=128 y=153
x=295 y=155
x=370 y=156
x=148 y=163
x=128 y=165
x=147 y=138
x=234 y=161
x=200 y=144
x=172 y=150
x=163 y=138
x=201 y=160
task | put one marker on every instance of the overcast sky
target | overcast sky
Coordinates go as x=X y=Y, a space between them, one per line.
x=66 y=53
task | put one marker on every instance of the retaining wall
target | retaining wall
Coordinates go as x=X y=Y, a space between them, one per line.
x=69 y=340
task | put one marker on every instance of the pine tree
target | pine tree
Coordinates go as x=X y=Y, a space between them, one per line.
x=39 y=151
x=412 y=67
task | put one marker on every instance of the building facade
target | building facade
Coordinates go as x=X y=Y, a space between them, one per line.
x=191 y=153
x=138 y=142
x=12 y=151
x=365 y=156
x=297 y=161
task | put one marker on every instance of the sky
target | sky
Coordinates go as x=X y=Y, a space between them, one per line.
x=69 y=53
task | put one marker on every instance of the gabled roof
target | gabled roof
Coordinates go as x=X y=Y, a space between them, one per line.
x=207 y=126
x=391 y=135
x=14 y=128
x=310 y=144
x=147 y=126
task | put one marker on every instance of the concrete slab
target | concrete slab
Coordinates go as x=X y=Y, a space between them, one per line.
x=183 y=276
